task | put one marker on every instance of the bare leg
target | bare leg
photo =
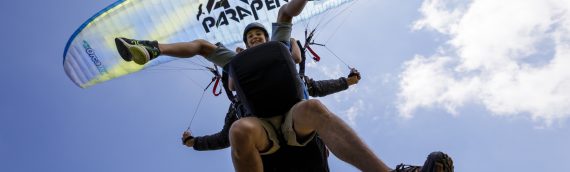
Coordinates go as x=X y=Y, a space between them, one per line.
x=187 y=49
x=247 y=139
x=312 y=115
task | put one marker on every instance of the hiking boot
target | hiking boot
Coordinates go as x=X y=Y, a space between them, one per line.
x=435 y=162
x=140 y=51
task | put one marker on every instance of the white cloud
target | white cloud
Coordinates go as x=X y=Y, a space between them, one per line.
x=429 y=81
x=353 y=111
x=511 y=56
x=329 y=71
x=437 y=16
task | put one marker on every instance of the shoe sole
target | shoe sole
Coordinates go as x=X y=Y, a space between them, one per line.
x=140 y=55
x=135 y=53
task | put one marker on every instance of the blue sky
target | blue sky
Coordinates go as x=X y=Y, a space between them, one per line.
x=487 y=82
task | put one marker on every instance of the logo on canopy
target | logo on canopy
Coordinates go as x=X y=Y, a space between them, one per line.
x=218 y=13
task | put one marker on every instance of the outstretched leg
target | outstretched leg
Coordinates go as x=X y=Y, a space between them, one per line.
x=142 y=51
x=187 y=49
x=247 y=139
x=311 y=115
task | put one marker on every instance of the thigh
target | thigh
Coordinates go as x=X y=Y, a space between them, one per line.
x=294 y=133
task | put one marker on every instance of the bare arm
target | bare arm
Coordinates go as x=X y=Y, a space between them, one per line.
x=295 y=51
x=290 y=10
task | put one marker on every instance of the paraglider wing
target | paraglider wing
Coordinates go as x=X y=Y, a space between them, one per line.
x=90 y=56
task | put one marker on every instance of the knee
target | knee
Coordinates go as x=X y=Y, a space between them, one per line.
x=242 y=131
x=315 y=109
x=199 y=41
x=315 y=106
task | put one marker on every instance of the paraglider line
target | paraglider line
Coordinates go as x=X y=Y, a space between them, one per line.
x=167 y=69
x=194 y=63
x=337 y=14
x=203 y=62
x=337 y=28
x=338 y=57
x=196 y=110
x=194 y=81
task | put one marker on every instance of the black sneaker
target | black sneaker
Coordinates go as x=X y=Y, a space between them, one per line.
x=140 y=51
x=407 y=168
x=436 y=162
